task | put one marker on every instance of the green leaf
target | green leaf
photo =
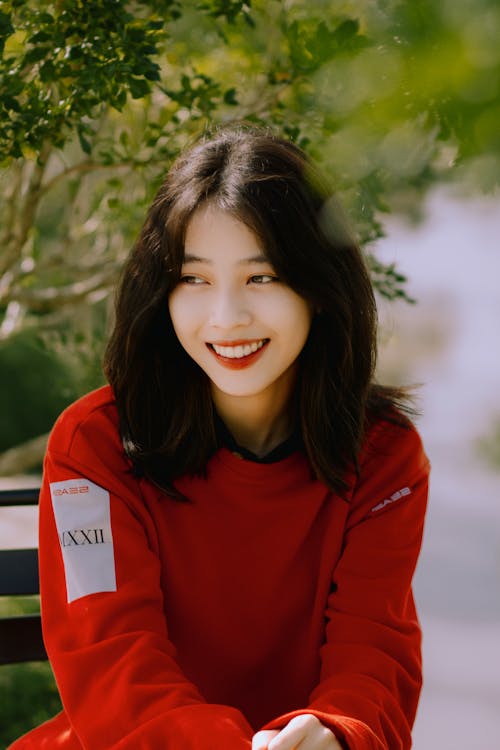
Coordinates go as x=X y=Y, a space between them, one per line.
x=48 y=72
x=10 y=103
x=40 y=36
x=138 y=87
x=120 y=100
x=152 y=75
x=75 y=52
x=6 y=28
x=84 y=142
x=36 y=54
x=156 y=25
x=312 y=43
x=230 y=97
x=135 y=33
x=45 y=18
x=346 y=31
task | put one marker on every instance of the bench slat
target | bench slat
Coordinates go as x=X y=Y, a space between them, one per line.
x=19 y=497
x=18 y=572
x=21 y=635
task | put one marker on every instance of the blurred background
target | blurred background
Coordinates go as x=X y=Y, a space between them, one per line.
x=399 y=103
x=448 y=343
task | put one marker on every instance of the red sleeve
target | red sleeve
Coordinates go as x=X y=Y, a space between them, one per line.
x=371 y=664
x=102 y=611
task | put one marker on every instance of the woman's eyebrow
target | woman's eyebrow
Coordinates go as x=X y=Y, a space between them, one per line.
x=189 y=258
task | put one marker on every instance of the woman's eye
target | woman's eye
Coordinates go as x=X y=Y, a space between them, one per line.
x=263 y=278
x=193 y=280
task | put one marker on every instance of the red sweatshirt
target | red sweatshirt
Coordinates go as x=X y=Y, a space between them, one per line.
x=190 y=626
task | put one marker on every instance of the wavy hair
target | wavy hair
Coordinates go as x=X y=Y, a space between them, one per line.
x=163 y=397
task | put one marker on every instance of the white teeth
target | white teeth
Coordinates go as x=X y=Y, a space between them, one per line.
x=237 y=352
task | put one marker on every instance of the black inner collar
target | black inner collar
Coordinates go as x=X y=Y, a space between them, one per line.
x=281 y=451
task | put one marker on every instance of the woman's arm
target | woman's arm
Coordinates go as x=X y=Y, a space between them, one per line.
x=371 y=667
x=102 y=610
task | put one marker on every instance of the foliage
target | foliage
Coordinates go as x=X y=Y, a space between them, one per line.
x=37 y=381
x=98 y=96
x=29 y=697
x=68 y=63
x=29 y=692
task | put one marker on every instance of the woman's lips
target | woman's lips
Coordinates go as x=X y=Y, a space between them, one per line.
x=236 y=359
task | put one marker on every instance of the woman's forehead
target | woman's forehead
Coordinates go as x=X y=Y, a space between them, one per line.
x=213 y=233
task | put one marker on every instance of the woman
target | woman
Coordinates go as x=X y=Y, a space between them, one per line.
x=228 y=531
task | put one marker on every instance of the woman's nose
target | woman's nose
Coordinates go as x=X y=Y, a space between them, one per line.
x=229 y=309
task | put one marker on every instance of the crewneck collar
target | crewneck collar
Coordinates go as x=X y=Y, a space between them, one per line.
x=285 y=449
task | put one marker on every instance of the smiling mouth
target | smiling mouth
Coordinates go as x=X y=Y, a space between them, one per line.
x=238 y=350
x=238 y=354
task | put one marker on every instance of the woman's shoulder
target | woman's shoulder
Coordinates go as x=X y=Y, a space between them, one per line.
x=93 y=418
x=394 y=438
x=392 y=467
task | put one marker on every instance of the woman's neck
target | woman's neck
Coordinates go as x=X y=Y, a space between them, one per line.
x=258 y=423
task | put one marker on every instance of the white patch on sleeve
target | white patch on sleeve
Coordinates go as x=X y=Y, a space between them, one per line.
x=392 y=499
x=83 y=520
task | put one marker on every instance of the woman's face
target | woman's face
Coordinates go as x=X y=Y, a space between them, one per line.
x=241 y=324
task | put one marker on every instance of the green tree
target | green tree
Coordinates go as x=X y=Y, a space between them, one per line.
x=98 y=96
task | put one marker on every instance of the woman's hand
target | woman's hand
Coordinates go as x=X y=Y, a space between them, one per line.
x=304 y=732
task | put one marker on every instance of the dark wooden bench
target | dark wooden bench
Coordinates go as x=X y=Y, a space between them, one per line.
x=20 y=635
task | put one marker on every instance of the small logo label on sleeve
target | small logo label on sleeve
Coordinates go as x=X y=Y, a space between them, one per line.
x=83 y=520
x=392 y=499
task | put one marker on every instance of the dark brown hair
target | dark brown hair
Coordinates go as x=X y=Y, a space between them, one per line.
x=163 y=396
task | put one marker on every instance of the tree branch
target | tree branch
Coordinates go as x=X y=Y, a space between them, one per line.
x=33 y=194
x=11 y=203
x=55 y=297
x=89 y=166
x=26 y=215
x=83 y=166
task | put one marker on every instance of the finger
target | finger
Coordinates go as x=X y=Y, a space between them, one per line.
x=293 y=734
x=261 y=740
x=320 y=739
x=305 y=732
